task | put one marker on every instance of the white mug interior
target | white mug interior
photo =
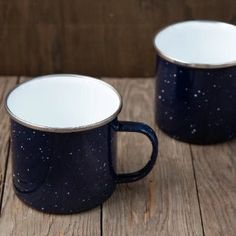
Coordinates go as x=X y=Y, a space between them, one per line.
x=203 y=43
x=63 y=102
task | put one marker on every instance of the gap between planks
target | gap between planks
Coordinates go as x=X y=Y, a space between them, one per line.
x=6 y=84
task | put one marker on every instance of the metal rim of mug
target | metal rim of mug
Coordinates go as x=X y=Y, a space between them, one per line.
x=69 y=129
x=187 y=64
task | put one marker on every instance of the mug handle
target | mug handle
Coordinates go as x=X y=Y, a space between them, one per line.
x=129 y=126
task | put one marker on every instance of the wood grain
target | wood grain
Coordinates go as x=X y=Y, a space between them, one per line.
x=165 y=202
x=18 y=219
x=109 y=38
x=6 y=83
x=215 y=168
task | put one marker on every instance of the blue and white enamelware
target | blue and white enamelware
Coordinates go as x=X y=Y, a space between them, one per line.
x=63 y=132
x=196 y=81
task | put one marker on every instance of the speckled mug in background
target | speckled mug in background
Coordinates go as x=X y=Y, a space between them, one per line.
x=196 y=81
x=63 y=133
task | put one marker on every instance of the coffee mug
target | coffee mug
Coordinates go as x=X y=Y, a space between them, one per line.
x=196 y=81
x=63 y=133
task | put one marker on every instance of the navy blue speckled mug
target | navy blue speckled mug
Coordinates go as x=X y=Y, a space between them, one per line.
x=63 y=132
x=196 y=81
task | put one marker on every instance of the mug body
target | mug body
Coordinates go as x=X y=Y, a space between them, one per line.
x=195 y=81
x=63 y=172
x=63 y=143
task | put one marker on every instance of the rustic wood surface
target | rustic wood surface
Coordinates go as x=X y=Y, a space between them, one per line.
x=191 y=190
x=215 y=168
x=109 y=38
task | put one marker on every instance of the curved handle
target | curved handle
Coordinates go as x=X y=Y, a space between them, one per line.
x=128 y=126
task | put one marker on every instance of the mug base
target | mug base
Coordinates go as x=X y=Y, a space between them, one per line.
x=197 y=141
x=62 y=211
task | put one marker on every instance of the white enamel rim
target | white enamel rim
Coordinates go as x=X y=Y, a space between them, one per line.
x=188 y=64
x=70 y=129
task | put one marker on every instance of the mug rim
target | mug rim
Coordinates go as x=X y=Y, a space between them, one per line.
x=66 y=129
x=189 y=64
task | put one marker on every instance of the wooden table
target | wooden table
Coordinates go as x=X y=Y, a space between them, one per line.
x=191 y=190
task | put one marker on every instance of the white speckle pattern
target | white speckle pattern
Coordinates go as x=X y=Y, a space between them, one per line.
x=62 y=190
x=194 y=131
x=181 y=97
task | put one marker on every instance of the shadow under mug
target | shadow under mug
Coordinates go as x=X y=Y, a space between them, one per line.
x=63 y=132
x=196 y=81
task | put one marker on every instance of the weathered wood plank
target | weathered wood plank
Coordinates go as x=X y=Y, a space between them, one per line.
x=215 y=168
x=109 y=38
x=6 y=83
x=165 y=202
x=18 y=219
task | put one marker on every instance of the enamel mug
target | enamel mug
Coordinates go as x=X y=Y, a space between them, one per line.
x=63 y=133
x=196 y=81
